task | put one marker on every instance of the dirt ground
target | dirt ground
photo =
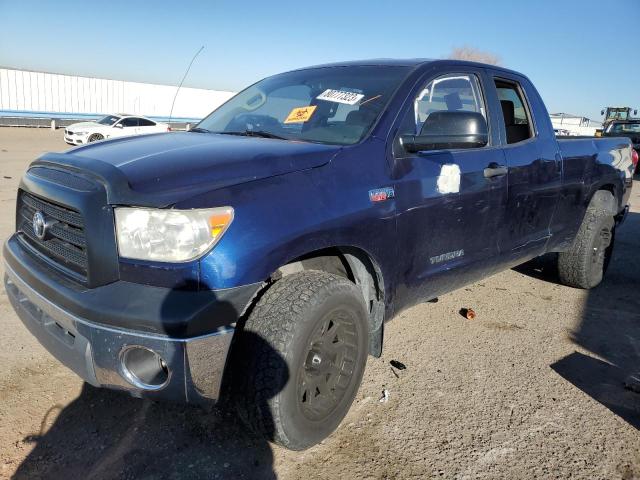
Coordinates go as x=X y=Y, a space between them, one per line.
x=532 y=388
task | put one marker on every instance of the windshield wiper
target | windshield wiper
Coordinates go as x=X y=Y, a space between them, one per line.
x=255 y=133
x=200 y=130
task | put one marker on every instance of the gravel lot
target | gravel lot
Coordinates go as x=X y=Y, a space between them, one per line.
x=532 y=388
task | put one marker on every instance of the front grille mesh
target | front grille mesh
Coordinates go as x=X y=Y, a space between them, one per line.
x=65 y=242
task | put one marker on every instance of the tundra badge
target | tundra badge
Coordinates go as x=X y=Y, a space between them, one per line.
x=446 y=256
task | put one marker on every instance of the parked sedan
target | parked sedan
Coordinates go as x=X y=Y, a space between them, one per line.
x=111 y=126
x=561 y=132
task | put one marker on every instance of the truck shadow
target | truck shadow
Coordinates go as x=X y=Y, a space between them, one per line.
x=608 y=335
x=105 y=434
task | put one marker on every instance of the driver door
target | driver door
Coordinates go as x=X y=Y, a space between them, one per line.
x=129 y=127
x=449 y=209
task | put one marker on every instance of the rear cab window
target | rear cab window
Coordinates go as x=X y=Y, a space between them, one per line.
x=624 y=128
x=516 y=114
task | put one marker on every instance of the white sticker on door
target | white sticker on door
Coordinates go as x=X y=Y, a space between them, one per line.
x=449 y=179
x=340 y=96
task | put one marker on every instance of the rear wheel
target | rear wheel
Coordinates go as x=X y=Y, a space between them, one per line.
x=584 y=265
x=303 y=349
x=95 y=137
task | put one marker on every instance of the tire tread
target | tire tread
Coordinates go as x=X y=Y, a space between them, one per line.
x=574 y=265
x=274 y=319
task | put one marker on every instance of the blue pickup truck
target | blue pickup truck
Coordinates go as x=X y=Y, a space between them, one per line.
x=257 y=256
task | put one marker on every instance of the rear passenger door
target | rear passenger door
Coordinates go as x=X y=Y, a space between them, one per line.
x=534 y=166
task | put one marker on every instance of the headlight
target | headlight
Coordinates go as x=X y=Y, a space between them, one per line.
x=166 y=235
x=80 y=133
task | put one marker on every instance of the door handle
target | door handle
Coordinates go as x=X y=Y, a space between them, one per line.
x=495 y=170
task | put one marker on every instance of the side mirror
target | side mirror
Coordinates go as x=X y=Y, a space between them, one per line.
x=601 y=112
x=118 y=125
x=635 y=112
x=447 y=130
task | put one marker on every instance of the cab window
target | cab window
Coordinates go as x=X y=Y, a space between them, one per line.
x=453 y=92
x=130 y=122
x=624 y=128
x=515 y=114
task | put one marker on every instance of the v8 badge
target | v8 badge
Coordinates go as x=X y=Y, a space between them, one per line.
x=381 y=194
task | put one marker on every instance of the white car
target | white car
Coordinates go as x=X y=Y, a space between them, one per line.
x=561 y=132
x=111 y=126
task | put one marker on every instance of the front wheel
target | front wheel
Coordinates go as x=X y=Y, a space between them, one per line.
x=95 y=137
x=303 y=350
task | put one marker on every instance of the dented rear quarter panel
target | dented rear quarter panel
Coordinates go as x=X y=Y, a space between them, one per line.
x=590 y=164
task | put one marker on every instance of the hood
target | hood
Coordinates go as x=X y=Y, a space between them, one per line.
x=169 y=167
x=76 y=126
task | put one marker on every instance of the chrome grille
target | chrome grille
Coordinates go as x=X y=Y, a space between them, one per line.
x=65 y=242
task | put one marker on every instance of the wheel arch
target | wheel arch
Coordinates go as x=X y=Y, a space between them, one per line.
x=604 y=201
x=358 y=266
x=93 y=134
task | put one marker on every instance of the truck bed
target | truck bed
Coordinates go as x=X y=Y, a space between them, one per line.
x=587 y=161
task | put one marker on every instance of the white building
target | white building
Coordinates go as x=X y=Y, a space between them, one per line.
x=25 y=92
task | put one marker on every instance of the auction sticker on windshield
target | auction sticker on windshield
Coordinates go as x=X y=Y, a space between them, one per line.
x=340 y=96
x=300 y=114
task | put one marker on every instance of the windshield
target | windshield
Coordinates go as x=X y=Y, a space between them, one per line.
x=624 y=128
x=109 y=120
x=617 y=114
x=335 y=105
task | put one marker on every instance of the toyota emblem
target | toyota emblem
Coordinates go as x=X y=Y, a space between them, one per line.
x=39 y=225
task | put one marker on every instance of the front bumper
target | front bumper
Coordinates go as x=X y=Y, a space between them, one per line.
x=195 y=365
x=74 y=139
x=88 y=330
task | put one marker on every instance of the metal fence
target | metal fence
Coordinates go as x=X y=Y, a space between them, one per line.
x=48 y=122
x=26 y=91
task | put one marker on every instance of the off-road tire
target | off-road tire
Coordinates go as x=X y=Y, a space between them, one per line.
x=94 y=137
x=586 y=262
x=272 y=352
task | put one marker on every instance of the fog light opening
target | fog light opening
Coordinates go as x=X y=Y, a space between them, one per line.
x=144 y=368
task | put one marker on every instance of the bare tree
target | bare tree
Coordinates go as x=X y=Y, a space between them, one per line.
x=474 y=55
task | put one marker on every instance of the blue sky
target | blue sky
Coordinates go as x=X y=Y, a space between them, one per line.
x=568 y=48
